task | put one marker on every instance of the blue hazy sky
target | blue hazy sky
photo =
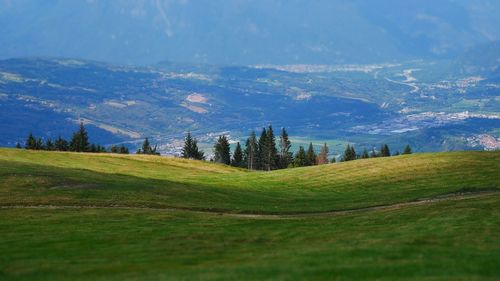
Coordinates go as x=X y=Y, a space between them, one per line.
x=246 y=31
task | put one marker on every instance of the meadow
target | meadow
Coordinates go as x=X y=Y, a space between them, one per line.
x=127 y=217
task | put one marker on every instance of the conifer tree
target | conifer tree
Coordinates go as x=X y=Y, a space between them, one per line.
x=123 y=149
x=190 y=149
x=39 y=144
x=407 y=149
x=271 y=155
x=349 y=153
x=49 y=145
x=155 y=150
x=310 y=155
x=262 y=144
x=323 y=155
x=300 y=158
x=334 y=159
x=196 y=153
x=252 y=152
x=18 y=145
x=237 y=160
x=93 y=148
x=384 y=151
x=365 y=154
x=187 y=150
x=222 y=151
x=397 y=153
x=80 y=141
x=146 y=147
x=61 y=144
x=374 y=153
x=113 y=149
x=31 y=142
x=285 y=156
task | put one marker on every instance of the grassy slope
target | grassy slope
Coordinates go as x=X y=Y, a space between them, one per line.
x=29 y=177
x=453 y=240
x=444 y=241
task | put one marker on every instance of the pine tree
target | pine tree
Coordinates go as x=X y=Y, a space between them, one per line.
x=80 y=141
x=237 y=156
x=190 y=149
x=123 y=149
x=197 y=154
x=349 y=153
x=39 y=144
x=323 y=155
x=262 y=144
x=155 y=150
x=384 y=151
x=252 y=152
x=18 y=145
x=365 y=154
x=187 y=150
x=374 y=153
x=300 y=158
x=31 y=142
x=346 y=155
x=407 y=149
x=93 y=148
x=285 y=156
x=271 y=153
x=222 y=151
x=397 y=153
x=310 y=155
x=334 y=159
x=49 y=145
x=61 y=144
x=113 y=149
x=146 y=147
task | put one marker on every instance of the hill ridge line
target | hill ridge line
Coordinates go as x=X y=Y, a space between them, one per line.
x=418 y=202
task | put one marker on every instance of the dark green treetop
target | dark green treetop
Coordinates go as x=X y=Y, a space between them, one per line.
x=222 y=151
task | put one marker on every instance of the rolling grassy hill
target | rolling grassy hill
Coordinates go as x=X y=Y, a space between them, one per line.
x=33 y=177
x=112 y=217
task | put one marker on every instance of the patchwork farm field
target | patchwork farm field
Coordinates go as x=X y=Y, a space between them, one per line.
x=69 y=216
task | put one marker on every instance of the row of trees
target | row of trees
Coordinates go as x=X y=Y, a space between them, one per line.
x=79 y=143
x=350 y=153
x=259 y=153
x=146 y=148
x=262 y=153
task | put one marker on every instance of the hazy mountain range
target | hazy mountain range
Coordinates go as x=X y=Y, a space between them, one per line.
x=243 y=32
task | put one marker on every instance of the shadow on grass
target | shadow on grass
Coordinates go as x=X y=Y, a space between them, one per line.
x=32 y=184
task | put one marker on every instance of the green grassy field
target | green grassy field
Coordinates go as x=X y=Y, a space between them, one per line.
x=68 y=216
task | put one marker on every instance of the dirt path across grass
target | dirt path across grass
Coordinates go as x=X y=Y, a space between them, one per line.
x=395 y=206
